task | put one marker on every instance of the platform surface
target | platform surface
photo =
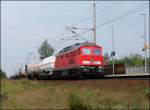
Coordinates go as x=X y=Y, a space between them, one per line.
x=128 y=74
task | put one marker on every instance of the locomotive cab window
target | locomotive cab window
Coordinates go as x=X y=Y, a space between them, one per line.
x=96 y=51
x=86 y=51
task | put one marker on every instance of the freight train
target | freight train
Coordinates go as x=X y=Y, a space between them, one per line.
x=76 y=61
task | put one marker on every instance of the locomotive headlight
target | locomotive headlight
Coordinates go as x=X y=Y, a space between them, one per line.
x=97 y=62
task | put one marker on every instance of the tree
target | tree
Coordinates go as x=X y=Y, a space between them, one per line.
x=3 y=74
x=134 y=60
x=45 y=50
x=130 y=60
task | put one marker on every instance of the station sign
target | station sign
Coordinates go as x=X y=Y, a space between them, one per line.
x=112 y=53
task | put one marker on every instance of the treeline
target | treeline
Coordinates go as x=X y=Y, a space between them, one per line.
x=3 y=74
x=130 y=60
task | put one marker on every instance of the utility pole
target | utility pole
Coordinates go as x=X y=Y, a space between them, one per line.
x=26 y=71
x=94 y=23
x=113 y=52
x=26 y=67
x=145 y=45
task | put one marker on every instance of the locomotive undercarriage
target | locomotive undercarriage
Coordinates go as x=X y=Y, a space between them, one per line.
x=80 y=72
x=72 y=73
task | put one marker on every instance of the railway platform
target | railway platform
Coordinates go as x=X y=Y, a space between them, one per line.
x=129 y=75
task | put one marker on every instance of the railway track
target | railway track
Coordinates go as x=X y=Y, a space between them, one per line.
x=143 y=77
x=105 y=77
x=125 y=77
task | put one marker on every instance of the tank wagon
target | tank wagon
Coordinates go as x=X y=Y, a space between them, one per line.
x=78 y=60
x=41 y=70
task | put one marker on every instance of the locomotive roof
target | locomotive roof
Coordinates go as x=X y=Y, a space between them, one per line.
x=75 y=46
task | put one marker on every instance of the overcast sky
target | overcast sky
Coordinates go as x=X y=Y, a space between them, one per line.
x=25 y=24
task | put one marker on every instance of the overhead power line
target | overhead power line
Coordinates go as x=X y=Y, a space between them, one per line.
x=141 y=7
x=90 y=17
x=79 y=20
x=124 y=15
x=75 y=22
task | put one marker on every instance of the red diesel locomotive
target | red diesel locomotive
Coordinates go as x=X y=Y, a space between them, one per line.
x=81 y=59
x=76 y=61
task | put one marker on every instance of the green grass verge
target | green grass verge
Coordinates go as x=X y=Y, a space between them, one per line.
x=74 y=95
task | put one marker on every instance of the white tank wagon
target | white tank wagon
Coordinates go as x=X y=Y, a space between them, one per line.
x=42 y=69
x=32 y=68
x=47 y=65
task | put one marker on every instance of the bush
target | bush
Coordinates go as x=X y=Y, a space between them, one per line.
x=75 y=103
x=147 y=91
x=116 y=62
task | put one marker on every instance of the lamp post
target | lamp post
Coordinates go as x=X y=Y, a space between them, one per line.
x=113 y=52
x=27 y=63
x=26 y=67
x=145 y=49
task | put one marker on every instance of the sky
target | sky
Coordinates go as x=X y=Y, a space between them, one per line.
x=25 y=24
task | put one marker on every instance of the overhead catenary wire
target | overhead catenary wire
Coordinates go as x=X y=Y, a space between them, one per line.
x=90 y=17
x=79 y=20
x=141 y=7
x=86 y=28
x=124 y=15
x=75 y=22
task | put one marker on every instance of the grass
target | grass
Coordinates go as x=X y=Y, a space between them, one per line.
x=147 y=91
x=74 y=95
x=77 y=103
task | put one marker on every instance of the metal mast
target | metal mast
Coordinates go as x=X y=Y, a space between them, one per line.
x=94 y=23
x=113 y=51
x=145 y=45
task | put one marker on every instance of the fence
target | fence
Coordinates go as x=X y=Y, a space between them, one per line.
x=137 y=69
x=120 y=68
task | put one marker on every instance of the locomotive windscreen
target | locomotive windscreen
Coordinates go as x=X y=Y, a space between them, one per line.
x=86 y=51
x=97 y=51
